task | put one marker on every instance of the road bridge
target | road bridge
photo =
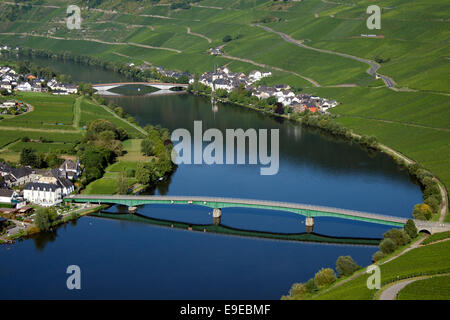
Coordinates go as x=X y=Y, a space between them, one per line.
x=217 y=204
x=104 y=87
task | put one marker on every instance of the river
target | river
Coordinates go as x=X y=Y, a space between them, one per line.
x=123 y=259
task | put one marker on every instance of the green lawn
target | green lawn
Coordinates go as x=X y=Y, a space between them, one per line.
x=436 y=237
x=435 y=288
x=50 y=112
x=431 y=259
x=108 y=183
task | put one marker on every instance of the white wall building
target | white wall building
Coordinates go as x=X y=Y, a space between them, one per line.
x=44 y=194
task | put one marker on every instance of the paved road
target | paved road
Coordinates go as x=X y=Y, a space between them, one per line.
x=373 y=65
x=392 y=292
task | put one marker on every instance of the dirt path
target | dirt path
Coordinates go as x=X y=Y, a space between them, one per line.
x=124 y=120
x=91 y=40
x=444 y=204
x=413 y=246
x=373 y=66
x=129 y=57
x=363 y=271
x=77 y=113
x=313 y=82
x=198 y=35
x=38 y=130
x=402 y=123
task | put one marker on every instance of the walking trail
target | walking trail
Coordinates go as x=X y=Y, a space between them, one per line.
x=373 y=66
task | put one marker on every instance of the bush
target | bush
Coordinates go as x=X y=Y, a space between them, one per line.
x=324 y=277
x=227 y=38
x=422 y=211
x=410 y=228
x=297 y=290
x=433 y=203
x=311 y=286
x=130 y=173
x=345 y=266
x=387 y=246
x=377 y=256
x=399 y=236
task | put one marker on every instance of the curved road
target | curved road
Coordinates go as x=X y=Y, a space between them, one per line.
x=392 y=292
x=373 y=65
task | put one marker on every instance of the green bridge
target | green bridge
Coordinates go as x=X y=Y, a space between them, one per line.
x=217 y=204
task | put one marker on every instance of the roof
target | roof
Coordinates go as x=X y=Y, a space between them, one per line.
x=41 y=186
x=21 y=172
x=69 y=165
x=65 y=182
x=5 y=167
x=6 y=192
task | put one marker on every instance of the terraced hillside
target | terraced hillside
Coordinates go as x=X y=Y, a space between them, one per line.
x=313 y=44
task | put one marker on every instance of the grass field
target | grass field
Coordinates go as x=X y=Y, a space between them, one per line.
x=430 y=259
x=415 y=55
x=435 y=288
x=108 y=183
x=436 y=237
x=40 y=124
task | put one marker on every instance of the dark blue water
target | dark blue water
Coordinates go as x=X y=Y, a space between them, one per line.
x=121 y=259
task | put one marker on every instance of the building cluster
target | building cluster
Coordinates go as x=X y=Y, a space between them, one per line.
x=173 y=74
x=215 y=51
x=12 y=107
x=45 y=187
x=298 y=102
x=11 y=80
x=223 y=78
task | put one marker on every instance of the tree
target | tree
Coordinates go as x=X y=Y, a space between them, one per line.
x=297 y=290
x=279 y=108
x=422 y=211
x=433 y=203
x=410 y=228
x=387 y=246
x=143 y=174
x=324 y=277
x=227 y=38
x=271 y=100
x=28 y=157
x=377 y=256
x=147 y=147
x=345 y=266
x=42 y=219
x=399 y=236
x=122 y=186
x=311 y=286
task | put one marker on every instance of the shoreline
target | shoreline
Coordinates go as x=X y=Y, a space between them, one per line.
x=349 y=136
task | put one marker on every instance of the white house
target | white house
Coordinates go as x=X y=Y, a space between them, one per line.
x=44 y=194
x=24 y=86
x=70 y=169
x=6 y=195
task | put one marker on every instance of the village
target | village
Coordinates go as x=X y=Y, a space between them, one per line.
x=23 y=189
x=223 y=78
x=10 y=81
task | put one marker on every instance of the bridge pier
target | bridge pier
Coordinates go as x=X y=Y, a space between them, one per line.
x=309 y=224
x=132 y=209
x=217 y=215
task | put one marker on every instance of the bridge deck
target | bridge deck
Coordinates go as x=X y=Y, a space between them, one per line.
x=217 y=202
